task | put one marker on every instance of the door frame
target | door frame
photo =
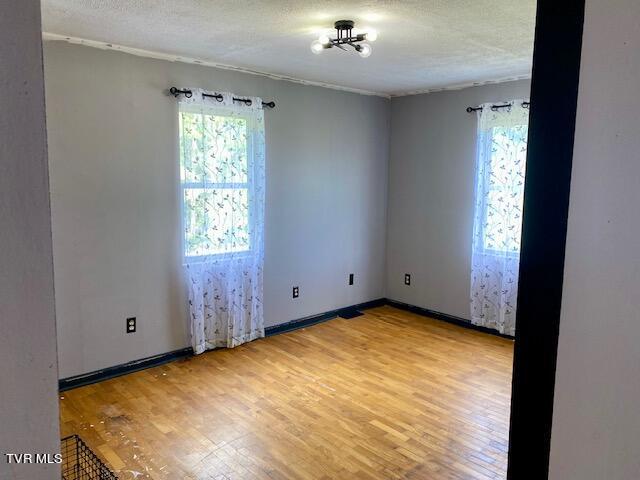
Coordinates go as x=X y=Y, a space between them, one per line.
x=554 y=94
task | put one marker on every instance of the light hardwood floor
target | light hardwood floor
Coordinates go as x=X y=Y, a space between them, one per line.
x=387 y=395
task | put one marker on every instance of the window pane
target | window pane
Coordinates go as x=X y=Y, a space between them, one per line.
x=503 y=221
x=216 y=221
x=213 y=148
x=193 y=166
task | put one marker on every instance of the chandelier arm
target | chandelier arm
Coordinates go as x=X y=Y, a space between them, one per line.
x=348 y=40
x=344 y=36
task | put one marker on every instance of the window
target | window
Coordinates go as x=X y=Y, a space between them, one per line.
x=504 y=187
x=215 y=161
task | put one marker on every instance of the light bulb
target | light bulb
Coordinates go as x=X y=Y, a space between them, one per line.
x=365 y=50
x=317 y=47
x=372 y=36
x=324 y=40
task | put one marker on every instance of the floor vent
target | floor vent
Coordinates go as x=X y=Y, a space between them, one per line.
x=349 y=313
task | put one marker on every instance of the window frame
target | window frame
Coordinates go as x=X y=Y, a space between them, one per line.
x=498 y=188
x=217 y=111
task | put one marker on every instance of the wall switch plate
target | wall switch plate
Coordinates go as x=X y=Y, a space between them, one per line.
x=407 y=279
x=351 y=279
x=296 y=292
x=131 y=325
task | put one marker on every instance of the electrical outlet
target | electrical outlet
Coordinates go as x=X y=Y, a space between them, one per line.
x=131 y=325
x=407 y=279
x=296 y=292
x=351 y=279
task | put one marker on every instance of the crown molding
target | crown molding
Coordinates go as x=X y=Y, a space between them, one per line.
x=52 y=37
x=461 y=86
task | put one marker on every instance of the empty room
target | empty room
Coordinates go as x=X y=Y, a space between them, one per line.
x=314 y=240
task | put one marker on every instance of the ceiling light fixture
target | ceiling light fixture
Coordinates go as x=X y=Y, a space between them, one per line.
x=345 y=36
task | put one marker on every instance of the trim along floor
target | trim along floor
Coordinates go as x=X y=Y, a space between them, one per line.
x=387 y=395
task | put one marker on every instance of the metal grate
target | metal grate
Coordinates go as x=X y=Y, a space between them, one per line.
x=80 y=463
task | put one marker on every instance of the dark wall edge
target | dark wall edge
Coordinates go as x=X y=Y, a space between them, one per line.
x=554 y=94
x=460 y=322
x=68 y=383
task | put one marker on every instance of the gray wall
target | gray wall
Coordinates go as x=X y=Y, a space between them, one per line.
x=596 y=424
x=431 y=195
x=114 y=174
x=28 y=383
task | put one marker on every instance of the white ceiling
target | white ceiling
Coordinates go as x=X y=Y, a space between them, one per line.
x=422 y=44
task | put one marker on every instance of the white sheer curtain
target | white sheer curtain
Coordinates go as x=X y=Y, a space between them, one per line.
x=500 y=170
x=222 y=160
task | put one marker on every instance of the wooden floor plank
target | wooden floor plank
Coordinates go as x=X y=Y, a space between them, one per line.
x=386 y=395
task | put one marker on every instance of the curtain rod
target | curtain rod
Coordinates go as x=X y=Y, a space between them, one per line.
x=188 y=93
x=496 y=107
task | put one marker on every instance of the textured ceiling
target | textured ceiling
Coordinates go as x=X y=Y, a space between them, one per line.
x=422 y=44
